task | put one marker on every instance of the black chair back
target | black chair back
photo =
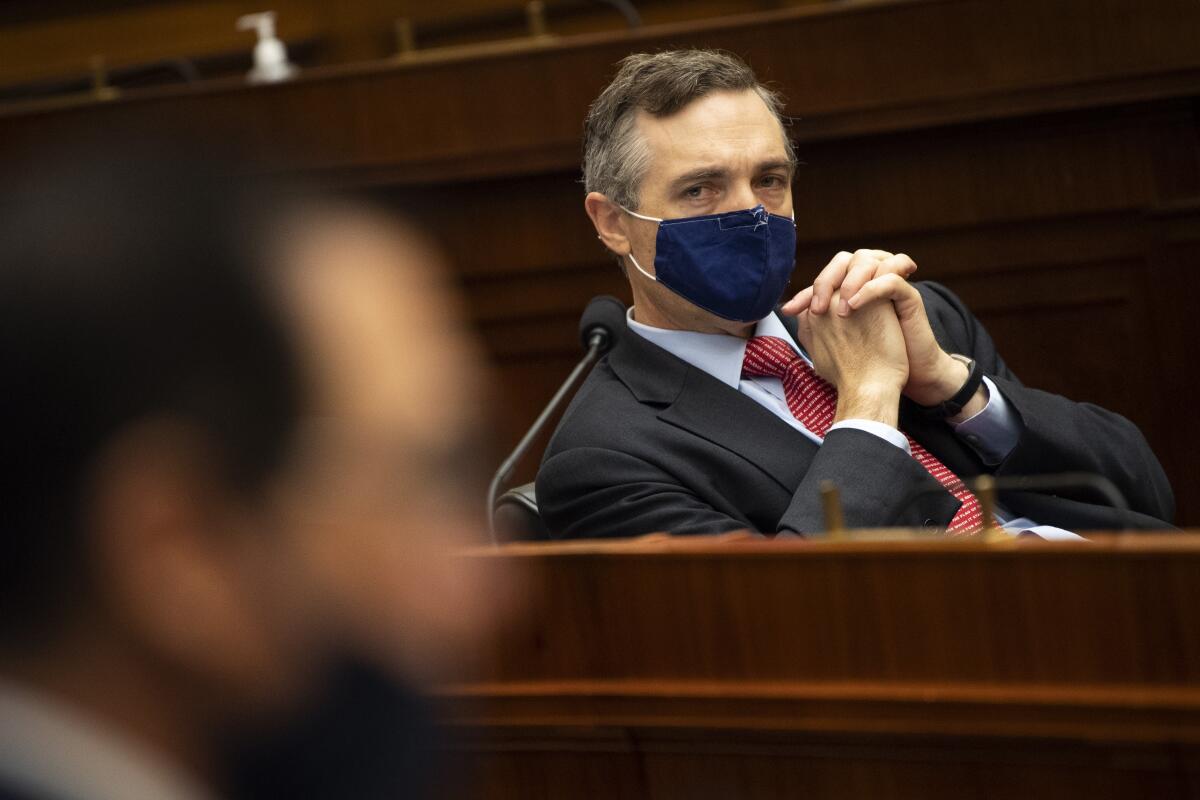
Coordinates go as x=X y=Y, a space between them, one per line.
x=516 y=516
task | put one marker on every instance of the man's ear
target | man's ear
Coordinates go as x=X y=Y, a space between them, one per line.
x=174 y=570
x=610 y=222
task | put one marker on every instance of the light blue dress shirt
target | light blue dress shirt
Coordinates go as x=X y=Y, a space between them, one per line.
x=992 y=433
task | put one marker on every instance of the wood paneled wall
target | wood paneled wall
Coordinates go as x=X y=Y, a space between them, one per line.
x=56 y=39
x=1041 y=159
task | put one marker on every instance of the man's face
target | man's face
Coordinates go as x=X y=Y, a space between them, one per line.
x=380 y=489
x=723 y=152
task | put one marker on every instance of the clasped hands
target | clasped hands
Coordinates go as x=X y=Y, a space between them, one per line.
x=865 y=327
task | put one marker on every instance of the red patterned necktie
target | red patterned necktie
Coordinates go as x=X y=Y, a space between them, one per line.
x=813 y=401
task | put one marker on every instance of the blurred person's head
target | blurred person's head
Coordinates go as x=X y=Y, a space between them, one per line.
x=677 y=135
x=232 y=465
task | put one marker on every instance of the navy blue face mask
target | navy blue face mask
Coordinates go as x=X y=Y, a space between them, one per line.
x=735 y=265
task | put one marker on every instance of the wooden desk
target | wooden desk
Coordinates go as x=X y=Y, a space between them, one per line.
x=933 y=668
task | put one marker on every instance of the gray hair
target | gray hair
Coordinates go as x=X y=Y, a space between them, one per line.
x=615 y=158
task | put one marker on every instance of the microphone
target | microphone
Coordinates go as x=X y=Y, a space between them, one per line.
x=604 y=317
x=600 y=327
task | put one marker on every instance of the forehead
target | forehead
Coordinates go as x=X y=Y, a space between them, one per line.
x=721 y=128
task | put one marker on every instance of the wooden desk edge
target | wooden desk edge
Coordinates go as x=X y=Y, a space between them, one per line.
x=891 y=542
x=1099 y=713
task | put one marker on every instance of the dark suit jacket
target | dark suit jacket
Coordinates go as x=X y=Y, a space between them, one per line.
x=652 y=444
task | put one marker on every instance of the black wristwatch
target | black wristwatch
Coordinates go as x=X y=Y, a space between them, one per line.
x=951 y=407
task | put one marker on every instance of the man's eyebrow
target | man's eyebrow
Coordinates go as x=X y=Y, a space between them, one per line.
x=783 y=164
x=719 y=173
x=700 y=174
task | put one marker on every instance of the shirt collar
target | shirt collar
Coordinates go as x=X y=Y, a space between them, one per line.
x=718 y=354
x=49 y=748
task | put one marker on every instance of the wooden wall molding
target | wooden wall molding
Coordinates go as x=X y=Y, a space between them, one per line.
x=862 y=57
x=1111 y=714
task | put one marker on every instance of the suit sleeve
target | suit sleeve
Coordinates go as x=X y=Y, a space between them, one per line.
x=578 y=499
x=879 y=484
x=1058 y=435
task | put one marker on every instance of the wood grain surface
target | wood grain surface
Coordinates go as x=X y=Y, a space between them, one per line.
x=924 y=668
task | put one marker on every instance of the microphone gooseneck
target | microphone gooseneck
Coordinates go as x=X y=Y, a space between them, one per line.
x=599 y=328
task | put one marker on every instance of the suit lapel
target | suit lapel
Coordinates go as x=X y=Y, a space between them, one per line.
x=698 y=403
x=715 y=412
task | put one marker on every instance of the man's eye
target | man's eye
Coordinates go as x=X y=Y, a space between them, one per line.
x=694 y=192
x=771 y=182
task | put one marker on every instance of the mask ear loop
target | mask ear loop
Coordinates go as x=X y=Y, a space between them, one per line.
x=639 y=267
x=639 y=216
x=631 y=256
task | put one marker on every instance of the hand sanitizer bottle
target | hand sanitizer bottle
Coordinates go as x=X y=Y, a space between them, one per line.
x=270 y=55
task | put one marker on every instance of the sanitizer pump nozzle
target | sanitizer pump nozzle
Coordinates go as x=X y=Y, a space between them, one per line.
x=270 y=56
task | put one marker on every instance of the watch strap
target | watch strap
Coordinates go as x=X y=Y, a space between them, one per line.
x=952 y=406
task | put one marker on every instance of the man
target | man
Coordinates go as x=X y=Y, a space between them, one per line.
x=718 y=413
x=231 y=475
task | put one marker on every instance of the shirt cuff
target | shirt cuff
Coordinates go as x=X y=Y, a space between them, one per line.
x=880 y=429
x=994 y=431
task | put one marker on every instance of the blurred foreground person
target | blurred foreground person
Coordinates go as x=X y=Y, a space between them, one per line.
x=232 y=474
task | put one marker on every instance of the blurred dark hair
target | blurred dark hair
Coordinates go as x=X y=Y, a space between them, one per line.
x=132 y=287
